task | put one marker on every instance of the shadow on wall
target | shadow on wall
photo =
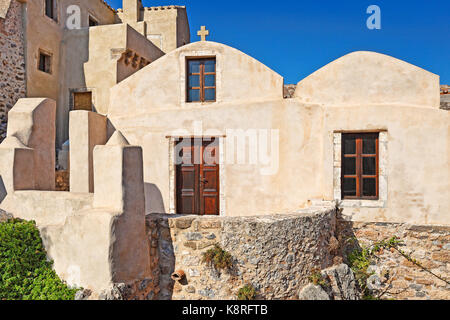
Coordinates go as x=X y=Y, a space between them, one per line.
x=153 y=199
x=162 y=258
x=167 y=262
x=348 y=242
x=3 y=192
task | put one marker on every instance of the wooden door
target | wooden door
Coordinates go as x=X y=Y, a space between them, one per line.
x=82 y=101
x=197 y=177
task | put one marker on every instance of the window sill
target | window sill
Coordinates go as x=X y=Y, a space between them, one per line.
x=199 y=104
x=55 y=21
x=362 y=203
x=43 y=72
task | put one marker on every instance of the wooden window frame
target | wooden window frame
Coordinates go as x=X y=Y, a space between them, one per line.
x=74 y=93
x=50 y=61
x=201 y=75
x=359 y=155
x=53 y=10
x=93 y=19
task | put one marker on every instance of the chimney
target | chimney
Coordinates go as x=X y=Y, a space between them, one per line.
x=131 y=10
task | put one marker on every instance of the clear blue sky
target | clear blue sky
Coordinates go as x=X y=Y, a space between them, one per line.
x=297 y=37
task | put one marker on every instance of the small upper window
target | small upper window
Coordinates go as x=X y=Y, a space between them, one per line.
x=82 y=101
x=50 y=9
x=92 y=22
x=45 y=62
x=360 y=166
x=201 y=83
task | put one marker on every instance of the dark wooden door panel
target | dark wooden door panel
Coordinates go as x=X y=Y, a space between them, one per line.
x=210 y=204
x=187 y=185
x=198 y=178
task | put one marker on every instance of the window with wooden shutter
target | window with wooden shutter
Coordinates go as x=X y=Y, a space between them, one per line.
x=82 y=101
x=360 y=170
x=50 y=9
x=201 y=80
x=45 y=62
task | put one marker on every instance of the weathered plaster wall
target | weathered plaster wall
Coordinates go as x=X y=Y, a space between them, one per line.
x=167 y=77
x=429 y=245
x=28 y=152
x=99 y=10
x=166 y=26
x=70 y=50
x=87 y=130
x=12 y=60
x=363 y=78
x=95 y=60
x=42 y=33
x=4 y=7
x=170 y=24
x=278 y=263
x=416 y=191
x=44 y=207
x=32 y=122
x=246 y=189
x=106 y=47
x=95 y=240
x=306 y=135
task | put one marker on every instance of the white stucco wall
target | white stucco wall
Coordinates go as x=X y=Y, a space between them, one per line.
x=365 y=77
x=371 y=92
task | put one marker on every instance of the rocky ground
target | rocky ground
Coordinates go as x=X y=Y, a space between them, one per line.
x=5 y=216
x=339 y=284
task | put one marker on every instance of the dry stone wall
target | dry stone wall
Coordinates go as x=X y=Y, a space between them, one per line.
x=12 y=63
x=289 y=91
x=429 y=245
x=275 y=254
x=445 y=97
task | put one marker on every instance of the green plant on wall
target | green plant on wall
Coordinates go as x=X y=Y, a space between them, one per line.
x=218 y=258
x=247 y=292
x=317 y=279
x=25 y=272
x=361 y=259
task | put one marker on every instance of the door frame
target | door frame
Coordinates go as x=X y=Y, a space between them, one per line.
x=172 y=172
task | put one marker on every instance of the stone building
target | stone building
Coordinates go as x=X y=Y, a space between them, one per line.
x=70 y=54
x=12 y=60
x=175 y=146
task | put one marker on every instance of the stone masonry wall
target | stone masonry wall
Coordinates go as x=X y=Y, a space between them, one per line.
x=445 y=97
x=289 y=91
x=429 y=245
x=12 y=63
x=275 y=254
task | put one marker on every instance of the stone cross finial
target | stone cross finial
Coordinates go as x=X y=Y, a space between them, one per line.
x=203 y=33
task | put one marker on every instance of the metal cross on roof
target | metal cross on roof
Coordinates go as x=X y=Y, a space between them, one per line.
x=203 y=33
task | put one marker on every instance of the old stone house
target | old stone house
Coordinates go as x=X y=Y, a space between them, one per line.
x=159 y=125
x=44 y=56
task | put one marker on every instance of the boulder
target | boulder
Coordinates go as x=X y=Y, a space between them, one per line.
x=5 y=216
x=83 y=294
x=341 y=283
x=313 y=292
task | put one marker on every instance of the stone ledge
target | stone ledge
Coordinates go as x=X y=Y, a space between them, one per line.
x=406 y=226
x=178 y=219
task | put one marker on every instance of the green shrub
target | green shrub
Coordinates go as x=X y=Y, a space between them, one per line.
x=317 y=279
x=247 y=292
x=218 y=258
x=361 y=259
x=25 y=272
